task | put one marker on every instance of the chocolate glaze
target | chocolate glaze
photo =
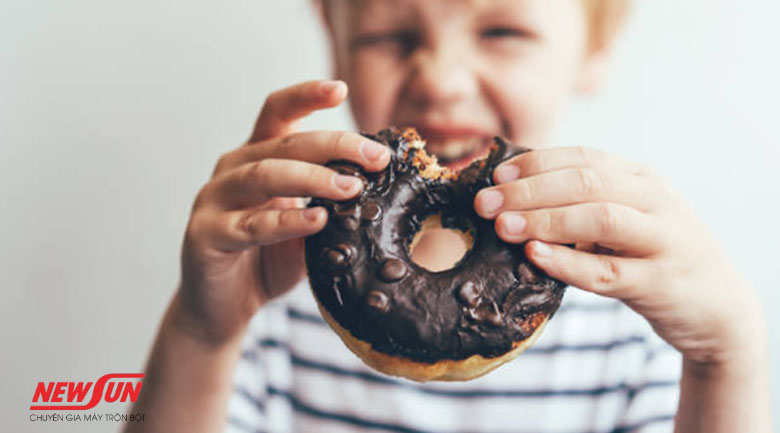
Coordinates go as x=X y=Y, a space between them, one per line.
x=361 y=271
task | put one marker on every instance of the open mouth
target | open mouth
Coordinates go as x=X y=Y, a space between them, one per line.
x=456 y=154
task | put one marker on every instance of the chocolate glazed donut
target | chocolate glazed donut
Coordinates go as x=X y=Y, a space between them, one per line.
x=401 y=318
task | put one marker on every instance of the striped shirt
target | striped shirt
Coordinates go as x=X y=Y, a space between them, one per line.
x=598 y=367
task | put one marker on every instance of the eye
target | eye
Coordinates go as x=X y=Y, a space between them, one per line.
x=401 y=42
x=499 y=32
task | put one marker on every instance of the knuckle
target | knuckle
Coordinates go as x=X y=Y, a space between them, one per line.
x=250 y=225
x=610 y=219
x=548 y=220
x=647 y=171
x=195 y=226
x=286 y=143
x=531 y=162
x=269 y=105
x=286 y=219
x=223 y=163
x=525 y=189
x=273 y=98
x=312 y=176
x=207 y=196
x=540 y=224
x=587 y=155
x=608 y=272
x=259 y=170
x=590 y=181
x=659 y=272
x=275 y=105
x=199 y=228
x=340 y=144
x=200 y=198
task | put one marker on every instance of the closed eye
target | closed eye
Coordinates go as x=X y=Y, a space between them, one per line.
x=499 y=32
x=404 y=41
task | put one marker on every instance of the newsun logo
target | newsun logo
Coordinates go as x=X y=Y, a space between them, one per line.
x=76 y=392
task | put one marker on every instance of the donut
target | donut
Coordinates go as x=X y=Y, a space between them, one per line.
x=400 y=318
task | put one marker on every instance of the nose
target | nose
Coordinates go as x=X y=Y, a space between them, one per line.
x=440 y=75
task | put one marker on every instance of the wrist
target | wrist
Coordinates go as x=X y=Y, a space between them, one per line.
x=742 y=353
x=182 y=322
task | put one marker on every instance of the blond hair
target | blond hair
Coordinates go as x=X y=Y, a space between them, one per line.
x=605 y=18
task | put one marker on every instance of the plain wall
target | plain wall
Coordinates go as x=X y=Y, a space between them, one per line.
x=112 y=115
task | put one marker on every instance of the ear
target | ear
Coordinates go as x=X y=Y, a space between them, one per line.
x=593 y=72
x=332 y=22
x=602 y=39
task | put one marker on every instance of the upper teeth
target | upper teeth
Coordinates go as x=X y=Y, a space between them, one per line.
x=455 y=148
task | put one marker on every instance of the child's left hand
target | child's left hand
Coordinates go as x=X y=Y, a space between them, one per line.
x=637 y=241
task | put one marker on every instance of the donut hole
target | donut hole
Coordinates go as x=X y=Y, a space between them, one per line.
x=436 y=248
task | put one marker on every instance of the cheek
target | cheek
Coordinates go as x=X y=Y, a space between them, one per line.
x=530 y=91
x=374 y=85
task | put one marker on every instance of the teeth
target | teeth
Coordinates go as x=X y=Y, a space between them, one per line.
x=454 y=149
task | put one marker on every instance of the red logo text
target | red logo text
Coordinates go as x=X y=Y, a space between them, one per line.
x=77 y=392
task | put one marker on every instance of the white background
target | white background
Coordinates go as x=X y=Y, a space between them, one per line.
x=112 y=114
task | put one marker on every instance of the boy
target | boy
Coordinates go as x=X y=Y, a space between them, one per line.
x=460 y=72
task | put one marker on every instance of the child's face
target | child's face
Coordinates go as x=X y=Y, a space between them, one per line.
x=460 y=71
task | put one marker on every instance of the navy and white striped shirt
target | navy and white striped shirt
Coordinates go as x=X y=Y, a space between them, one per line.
x=598 y=367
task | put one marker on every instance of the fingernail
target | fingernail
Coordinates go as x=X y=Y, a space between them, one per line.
x=541 y=250
x=312 y=213
x=329 y=87
x=346 y=183
x=372 y=151
x=507 y=173
x=514 y=224
x=490 y=201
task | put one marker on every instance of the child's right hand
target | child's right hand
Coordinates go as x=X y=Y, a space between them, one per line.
x=244 y=242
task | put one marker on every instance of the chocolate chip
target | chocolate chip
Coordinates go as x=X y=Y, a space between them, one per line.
x=339 y=256
x=335 y=259
x=513 y=299
x=486 y=313
x=346 y=210
x=350 y=223
x=348 y=250
x=346 y=215
x=528 y=277
x=537 y=299
x=392 y=270
x=469 y=294
x=378 y=301
x=371 y=212
x=493 y=316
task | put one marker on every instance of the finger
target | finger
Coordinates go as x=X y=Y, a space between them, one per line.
x=239 y=230
x=284 y=107
x=317 y=147
x=256 y=182
x=616 y=277
x=545 y=160
x=566 y=187
x=618 y=227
